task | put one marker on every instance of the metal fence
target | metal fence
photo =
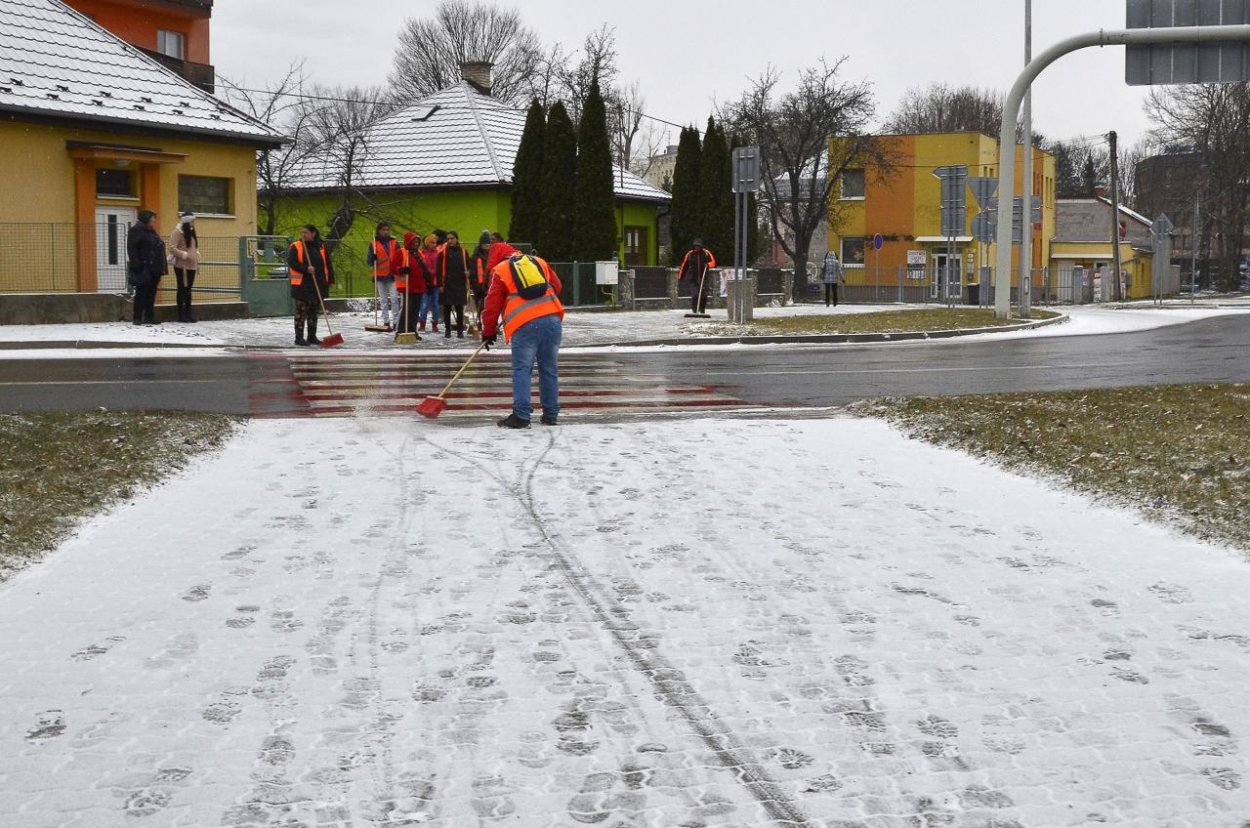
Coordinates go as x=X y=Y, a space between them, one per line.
x=42 y=257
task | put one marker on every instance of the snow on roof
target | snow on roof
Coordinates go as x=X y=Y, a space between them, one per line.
x=55 y=62
x=456 y=137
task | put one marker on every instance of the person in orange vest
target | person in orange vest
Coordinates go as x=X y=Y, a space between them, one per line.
x=381 y=249
x=698 y=261
x=409 y=281
x=429 y=269
x=525 y=291
x=308 y=261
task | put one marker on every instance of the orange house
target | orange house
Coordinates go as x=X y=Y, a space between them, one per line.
x=175 y=33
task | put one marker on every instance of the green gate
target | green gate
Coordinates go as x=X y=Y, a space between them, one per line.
x=263 y=281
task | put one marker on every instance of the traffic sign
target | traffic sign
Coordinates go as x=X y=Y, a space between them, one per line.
x=954 y=205
x=1193 y=62
x=877 y=242
x=746 y=162
x=983 y=189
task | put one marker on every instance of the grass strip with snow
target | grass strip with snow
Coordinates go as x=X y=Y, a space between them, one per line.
x=1180 y=453
x=57 y=468
x=917 y=320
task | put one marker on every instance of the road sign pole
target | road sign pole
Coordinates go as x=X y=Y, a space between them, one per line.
x=1026 y=219
x=1011 y=112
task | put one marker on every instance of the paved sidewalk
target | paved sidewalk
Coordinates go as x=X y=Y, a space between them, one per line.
x=393 y=623
x=581 y=329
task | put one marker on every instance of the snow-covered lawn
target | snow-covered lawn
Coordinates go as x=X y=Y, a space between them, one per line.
x=718 y=623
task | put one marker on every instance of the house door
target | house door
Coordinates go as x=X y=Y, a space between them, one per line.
x=635 y=246
x=946 y=268
x=111 y=226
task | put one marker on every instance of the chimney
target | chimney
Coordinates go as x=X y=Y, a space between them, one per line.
x=478 y=74
x=1100 y=191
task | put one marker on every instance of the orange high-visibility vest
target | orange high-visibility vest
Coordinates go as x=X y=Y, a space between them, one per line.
x=405 y=265
x=711 y=261
x=381 y=260
x=518 y=311
x=297 y=279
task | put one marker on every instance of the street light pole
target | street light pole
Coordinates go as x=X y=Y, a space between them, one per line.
x=1026 y=188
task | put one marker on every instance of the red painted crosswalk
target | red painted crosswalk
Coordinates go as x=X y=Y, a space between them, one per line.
x=331 y=384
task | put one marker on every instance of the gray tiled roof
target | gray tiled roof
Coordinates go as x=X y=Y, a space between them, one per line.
x=55 y=62
x=457 y=137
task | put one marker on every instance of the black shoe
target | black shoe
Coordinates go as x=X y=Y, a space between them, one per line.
x=459 y=334
x=313 y=340
x=447 y=334
x=192 y=319
x=138 y=321
x=513 y=421
x=301 y=341
x=548 y=420
x=151 y=322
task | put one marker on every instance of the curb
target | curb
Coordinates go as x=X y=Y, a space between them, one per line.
x=809 y=339
x=87 y=345
x=907 y=336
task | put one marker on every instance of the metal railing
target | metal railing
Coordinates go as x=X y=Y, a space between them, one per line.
x=50 y=257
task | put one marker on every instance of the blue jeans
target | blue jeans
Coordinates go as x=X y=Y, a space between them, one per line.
x=536 y=341
x=429 y=304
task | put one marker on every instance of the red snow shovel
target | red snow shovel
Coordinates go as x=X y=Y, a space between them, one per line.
x=433 y=406
x=334 y=339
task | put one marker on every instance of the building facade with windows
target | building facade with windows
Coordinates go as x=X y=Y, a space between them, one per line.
x=175 y=33
x=902 y=204
x=91 y=132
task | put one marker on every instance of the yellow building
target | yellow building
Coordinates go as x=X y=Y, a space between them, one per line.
x=91 y=132
x=1082 y=249
x=901 y=202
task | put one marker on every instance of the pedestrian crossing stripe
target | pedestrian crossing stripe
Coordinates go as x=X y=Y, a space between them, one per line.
x=344 y=385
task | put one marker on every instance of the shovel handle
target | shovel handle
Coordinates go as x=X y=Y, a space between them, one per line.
x=324 y=312
x=467 y=362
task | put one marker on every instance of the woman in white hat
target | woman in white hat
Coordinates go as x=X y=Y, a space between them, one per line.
x=184 y=255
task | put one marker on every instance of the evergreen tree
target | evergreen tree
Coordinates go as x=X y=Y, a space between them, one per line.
x=527 y=178
x=716 y=199
x=684 y=224
x=594 y=220
x=554 y=241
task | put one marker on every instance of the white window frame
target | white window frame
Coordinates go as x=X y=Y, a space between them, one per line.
x=166 y=37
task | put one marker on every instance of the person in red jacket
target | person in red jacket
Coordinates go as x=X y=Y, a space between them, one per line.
x=525 y=291
x=409 y=281
x=429 y=269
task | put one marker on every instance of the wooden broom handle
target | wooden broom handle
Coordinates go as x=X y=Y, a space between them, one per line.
x=467 y=362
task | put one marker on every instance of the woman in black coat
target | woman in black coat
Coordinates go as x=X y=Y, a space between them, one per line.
x=146 y=263
x=454 y=270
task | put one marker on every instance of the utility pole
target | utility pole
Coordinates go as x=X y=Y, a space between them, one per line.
x=1194 y=235
x=1116 y=293
x=1026 y=211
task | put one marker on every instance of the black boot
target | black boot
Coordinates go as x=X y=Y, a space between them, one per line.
x=312 y=332
x=513 y=421
x=299 y=333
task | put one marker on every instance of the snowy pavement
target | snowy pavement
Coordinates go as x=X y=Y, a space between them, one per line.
x=581 y=329
x=385 y=622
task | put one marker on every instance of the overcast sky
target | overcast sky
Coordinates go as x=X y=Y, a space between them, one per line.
x=689 y=55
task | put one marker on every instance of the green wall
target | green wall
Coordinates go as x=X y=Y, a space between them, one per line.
x=466 y=211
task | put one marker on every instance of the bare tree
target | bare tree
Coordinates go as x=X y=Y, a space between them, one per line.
x=941 y=108
x=339 y=124
x=636 y=139
x=597 y=60
x=1215 y=120
x=800 y=162
x=280 y=105
x=430 y=51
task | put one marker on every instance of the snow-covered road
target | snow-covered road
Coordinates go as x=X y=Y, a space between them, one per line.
x=711 y=623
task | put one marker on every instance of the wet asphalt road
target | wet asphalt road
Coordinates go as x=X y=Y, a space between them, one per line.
x=1214 y=350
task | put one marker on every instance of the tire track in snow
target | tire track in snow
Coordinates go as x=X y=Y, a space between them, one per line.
x=670 y=683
